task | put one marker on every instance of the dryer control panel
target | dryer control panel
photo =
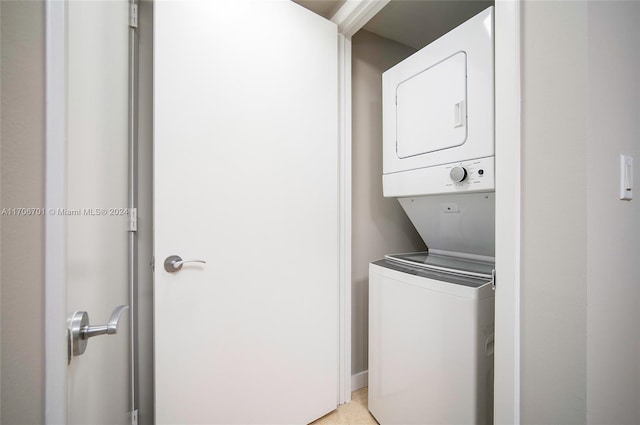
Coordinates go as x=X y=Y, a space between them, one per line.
x=468 y=173
x=476 y=175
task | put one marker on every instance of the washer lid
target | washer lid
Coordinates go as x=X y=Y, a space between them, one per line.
x=444 y=263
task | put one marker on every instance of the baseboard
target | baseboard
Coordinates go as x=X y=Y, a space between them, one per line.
x=359 y=380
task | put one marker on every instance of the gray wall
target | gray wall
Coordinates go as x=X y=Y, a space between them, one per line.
x=554 y=217
x=580 y=244
x=379 y=226
x=22 y=155
x=613 y=226
x=0 y=220
x=145 y=216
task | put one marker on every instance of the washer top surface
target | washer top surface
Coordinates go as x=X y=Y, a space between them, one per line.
x=444 y=263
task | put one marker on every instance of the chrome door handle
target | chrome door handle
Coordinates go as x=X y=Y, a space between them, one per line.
x=80 y=331
x=173 y=263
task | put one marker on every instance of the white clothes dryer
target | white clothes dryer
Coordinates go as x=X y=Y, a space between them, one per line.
x=438 y=114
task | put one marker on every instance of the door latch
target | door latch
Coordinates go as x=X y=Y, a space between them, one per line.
x=80 y=331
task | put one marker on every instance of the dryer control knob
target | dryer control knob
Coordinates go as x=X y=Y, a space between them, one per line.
x=458 y=174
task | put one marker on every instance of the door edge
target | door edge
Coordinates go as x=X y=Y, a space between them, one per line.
x=55 y=225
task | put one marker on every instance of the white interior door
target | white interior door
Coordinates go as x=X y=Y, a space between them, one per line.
x=246 y=179
x=96 y=197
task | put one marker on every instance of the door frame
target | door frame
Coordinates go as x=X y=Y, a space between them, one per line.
x=508 y=211
x=56 y=350
x=55 y=226
x=350 y=18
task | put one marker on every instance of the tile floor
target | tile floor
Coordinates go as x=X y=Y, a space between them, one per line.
x=353 y=413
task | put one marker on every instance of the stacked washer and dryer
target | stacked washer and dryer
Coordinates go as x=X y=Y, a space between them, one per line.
x=431 y=314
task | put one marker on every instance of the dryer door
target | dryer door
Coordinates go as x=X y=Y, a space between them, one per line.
x=430 y=108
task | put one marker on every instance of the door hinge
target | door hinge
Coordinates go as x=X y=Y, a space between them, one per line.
x=132 y=224
x=153 y=264
x=493 y=279
x=133 y=15
x=134 y=417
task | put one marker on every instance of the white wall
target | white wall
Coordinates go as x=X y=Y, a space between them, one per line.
x=22 y=269
x=613 y=239
x=379 y=226
x=580 y=244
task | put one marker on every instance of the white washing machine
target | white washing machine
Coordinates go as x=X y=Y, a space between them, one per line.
x=431 y=330
x=431 y=314
x=431 y=317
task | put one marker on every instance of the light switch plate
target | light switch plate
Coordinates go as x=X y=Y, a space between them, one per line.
x=626 y=177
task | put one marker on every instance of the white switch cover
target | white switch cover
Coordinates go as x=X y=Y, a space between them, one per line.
x=626 y=177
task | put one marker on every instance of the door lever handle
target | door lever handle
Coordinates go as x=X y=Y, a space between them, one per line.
x=110 y=328
x=173 y=263
x=80 y=331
